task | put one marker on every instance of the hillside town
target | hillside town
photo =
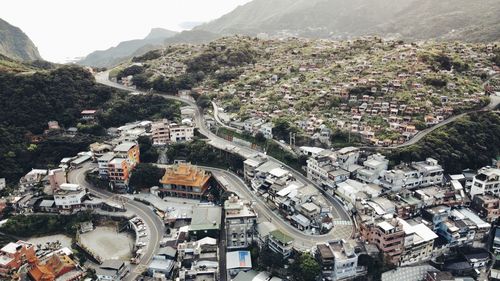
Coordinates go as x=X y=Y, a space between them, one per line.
x=217 y=225
x=382 y=90
x=288 y=140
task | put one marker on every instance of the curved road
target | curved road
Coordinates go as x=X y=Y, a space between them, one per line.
x=155 y=226
x=302 y=241
x=337 y=207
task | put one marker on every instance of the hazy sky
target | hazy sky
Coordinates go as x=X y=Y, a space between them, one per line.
x=69 y=28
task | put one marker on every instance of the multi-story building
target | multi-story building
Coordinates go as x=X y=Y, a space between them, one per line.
x=487 y=180
x=181 y=133
x=430 y=172
x=128 y=151
x=240 y=223
x=387 y=234
x=184 y=180
x=160 y=132
x=118 y=172
x=103 y=164
x=13 y=256
x=418 y=243
x=373 y=168
x=267 y=130
x=68 y=198
x=487 y=206
x=318 y=169
x=56 y=178
x=347 y=157
x=280 y=243
x=337 y=259
x=198 y=260
x=250 y=165
x=401 y=178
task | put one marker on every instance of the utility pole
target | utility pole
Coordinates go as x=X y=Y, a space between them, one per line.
x=292 y=138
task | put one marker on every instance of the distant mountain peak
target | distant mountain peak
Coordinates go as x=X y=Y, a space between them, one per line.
x=158 y=32
x=16 y=44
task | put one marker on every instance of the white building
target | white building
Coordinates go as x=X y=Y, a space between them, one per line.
x=347 y=157
x=318 y=168
x=373 y=168
x=160 y=132
x=418 y=243
x=102 y=164
x=487 y=180
x=337 y=259
x=267 y=130
x=181 y=133
x=430 y=172
x=68 y=198
x=280 y=243
x=398 y=179
x=240 y=223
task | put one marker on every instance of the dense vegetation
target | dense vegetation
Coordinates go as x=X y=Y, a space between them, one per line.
x=39 y=225
x=125 y=108
x=29 y=101
x=199 y=152
x=469 y=142
x=146 y=175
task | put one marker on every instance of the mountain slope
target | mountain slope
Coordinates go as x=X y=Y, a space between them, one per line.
x=409 y=19
x=15 y=44
x=126 y=49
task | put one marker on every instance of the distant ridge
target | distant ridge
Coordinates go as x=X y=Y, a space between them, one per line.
x=14 y=43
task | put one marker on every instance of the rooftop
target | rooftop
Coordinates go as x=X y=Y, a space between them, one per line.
x=185 y=174
x=281 y=237
x=206 y=217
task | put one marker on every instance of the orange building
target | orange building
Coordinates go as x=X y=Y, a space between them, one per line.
x=184 y=180
x=53 y=267
x=13 y=255
x=118 y=172
x=130 y=152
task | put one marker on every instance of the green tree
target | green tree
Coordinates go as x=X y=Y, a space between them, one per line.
x=148 y=153
x=146 y=175
x=306 y=268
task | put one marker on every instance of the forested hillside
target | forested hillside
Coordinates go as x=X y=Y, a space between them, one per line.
x=30 y=100
x=470 y=142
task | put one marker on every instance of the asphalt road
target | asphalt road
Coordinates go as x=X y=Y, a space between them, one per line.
x=302 y=241
x=337 y=208
x=154 y=224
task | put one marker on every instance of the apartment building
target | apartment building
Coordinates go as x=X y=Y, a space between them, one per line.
x=184 y=180
x=241 y=221
x=128 y=151
x=318 y=169
x=430 y=172
x=387 y=234
x=487 y=206
x=119 y=172
x=487 y=180
x=181 y=133
x=337 y=259
x=68 y=198
x=347 y=157
x=373 y=168
x=280 y=243
x=14 y=255
x=160 y=132
x=418 y=242
x=103 y=164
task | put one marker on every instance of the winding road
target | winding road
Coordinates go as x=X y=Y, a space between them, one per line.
x=342 y=218
x=154 y=224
